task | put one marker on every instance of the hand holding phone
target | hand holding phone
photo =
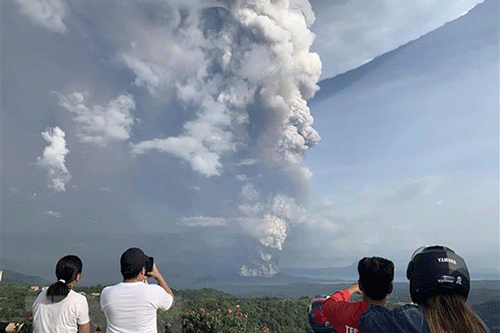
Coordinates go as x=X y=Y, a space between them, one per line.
x=155 y=273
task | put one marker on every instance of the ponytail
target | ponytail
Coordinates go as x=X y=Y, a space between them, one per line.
x=67 y=269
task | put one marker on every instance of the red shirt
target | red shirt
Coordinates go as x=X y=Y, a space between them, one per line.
x=341 y=314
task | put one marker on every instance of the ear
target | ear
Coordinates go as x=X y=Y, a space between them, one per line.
x=78 y=277
x=391 y=288
x=361 y=286
x=143 y=271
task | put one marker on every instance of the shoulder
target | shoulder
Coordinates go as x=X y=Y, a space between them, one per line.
x=381 y=311
x=338 y=309
x=156 y=290
x=43 y=293
x=109 y=289
x=380 y=317
x=77 y=297
x=154 y=287
x=163 y=299
x=41 y=298
x=108 y=292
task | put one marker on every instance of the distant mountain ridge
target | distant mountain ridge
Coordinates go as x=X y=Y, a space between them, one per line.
x=350 y=273
x=331 y=273
x=278 y=279
x=14 y=278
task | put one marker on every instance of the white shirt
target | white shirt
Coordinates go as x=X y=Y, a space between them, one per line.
x=59 y=317
x=130 y=307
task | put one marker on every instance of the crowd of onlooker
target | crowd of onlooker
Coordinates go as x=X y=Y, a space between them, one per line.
x=439 y=287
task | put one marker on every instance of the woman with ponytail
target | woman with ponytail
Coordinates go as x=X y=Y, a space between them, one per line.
x=59 y=309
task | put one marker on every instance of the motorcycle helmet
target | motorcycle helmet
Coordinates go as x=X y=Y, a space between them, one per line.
x=437 y=269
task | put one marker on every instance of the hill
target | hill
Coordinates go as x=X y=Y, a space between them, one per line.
x=489 y=312
x=14 y=278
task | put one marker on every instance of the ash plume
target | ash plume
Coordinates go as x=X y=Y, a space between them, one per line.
x=242 y=70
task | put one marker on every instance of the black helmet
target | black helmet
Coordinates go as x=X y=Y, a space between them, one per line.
x=437 y=269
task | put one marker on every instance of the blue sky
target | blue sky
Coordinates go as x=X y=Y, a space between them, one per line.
x=187 y=129
x=413 y=147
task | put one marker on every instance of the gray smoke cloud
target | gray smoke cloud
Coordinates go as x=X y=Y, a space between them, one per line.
x=246 y=69
x=46 y=13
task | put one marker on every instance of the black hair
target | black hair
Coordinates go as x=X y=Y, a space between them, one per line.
x=376 y=275
x=131 y=273
x=67 y=269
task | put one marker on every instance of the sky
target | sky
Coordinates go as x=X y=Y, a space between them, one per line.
x=195 y=130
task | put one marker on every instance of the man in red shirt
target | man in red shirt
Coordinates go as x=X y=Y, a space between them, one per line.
x=375 y=283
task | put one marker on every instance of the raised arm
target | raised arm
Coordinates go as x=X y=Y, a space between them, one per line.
x=155 y=274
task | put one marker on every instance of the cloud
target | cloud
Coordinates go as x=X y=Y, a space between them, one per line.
x=202 y=160
x=354 y=222
x=203 y=221
x=203 y=141
x=57 y=215
x=53 y=159
x=249 y=193
x=145 y=75
x=421 y=187
x=351 y=33
x=100 y=125
x=248 y=162
x=46 y=13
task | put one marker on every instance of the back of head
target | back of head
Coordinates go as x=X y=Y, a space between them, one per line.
x=439 y=280
x=67 y=269
x=437 y=270
x=132 y=261
x=376 y=275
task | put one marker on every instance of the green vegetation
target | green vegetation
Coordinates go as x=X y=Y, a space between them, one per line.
x=209 y=310
x=14 y=302
x=229 y=314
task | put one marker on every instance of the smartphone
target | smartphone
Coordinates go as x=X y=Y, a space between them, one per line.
x=149 y=265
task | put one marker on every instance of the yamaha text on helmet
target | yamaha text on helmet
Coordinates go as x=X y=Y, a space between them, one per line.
x=434 y=270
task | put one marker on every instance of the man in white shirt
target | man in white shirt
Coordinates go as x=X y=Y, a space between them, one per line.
x=130 y=306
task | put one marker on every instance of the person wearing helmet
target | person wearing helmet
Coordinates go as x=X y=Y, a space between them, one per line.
x=337 y=314
x=439 y=287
